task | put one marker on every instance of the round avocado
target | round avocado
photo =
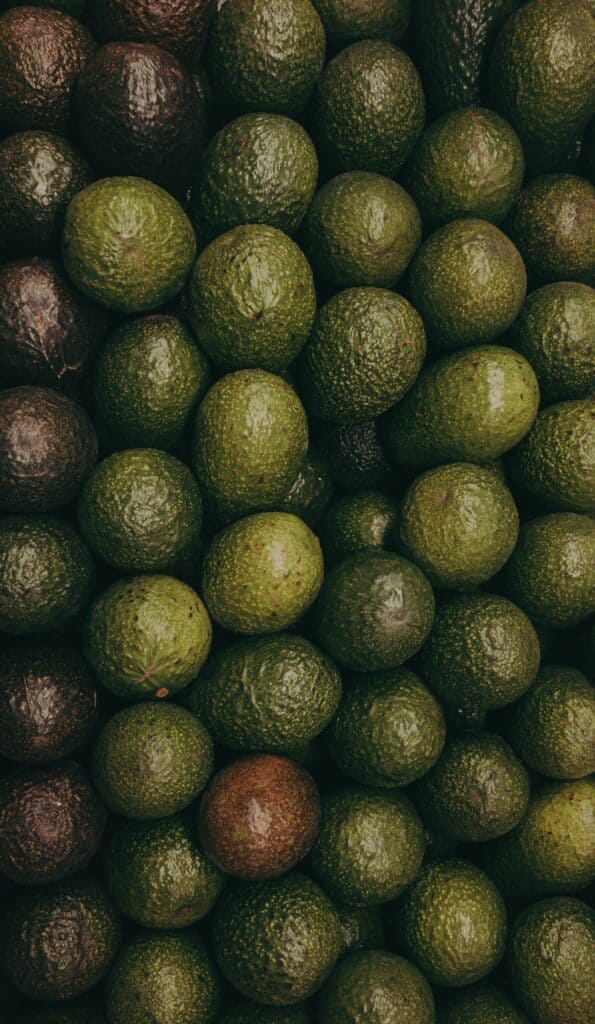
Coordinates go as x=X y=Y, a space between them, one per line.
x=348 y=21
x=243 y=1011
x=376 y=987
x=361 y=229
x=368 y=109
x=363 y=928
x=355 y=454
x=554 y=724
x=262 y=573
x=311 y=490
x=375 y=610
x=127 y=244
x=151 y=760
x=389 y=729
x=148 y=636
x=366 y=349
x=481 y=1004
x=357 y=522
x=468 y=282
x=179 y=26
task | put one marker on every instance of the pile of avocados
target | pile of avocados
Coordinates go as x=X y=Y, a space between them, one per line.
x=297 y=511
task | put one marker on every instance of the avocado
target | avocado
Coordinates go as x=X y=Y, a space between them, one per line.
x=251 y=298
x=468 y=281
x=550 y=572
x=363 y=928
x=42 y=53
x=549 y=975
x=459 y=524
x=389 y=729
x=276 y=941
x=266 y=55
x=163 y=976
x=555 y=331
x=48 y=332
x=48 y=445
x=355 y=454
x=361 y=229
x=58 y=942
x=147 y=636
x=467 y=163
x=51 y=823
x=467 y=406
x=311 y=490
x=39 y=174
x=481 y=1004
x=554 y=724
x=541 y=77
x=368 y=109
x=259 y=816
x=262 y=573
x=376 y=987
x=357 y=522
x=348 y=21
x=46 y=574
x=482 y=653
x=179 y=26
x=258 y=169
x=151 y=760
x=355 y=821
x=452 y=923
x=138 y=112
x=271 y=693
x=243 y=1011
x=127 y=244
x=158 y=875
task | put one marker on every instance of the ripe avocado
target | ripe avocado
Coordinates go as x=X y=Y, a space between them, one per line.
x=348 y=21
x=355 y=454
x=481 y=1004
x=311 y=490
x=376 y=987
x=363 y=928
x=553 y=726
x=357 y=522
x=179 y=26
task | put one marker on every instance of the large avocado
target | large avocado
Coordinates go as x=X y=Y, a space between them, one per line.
x=376 y=987
x=179 y=26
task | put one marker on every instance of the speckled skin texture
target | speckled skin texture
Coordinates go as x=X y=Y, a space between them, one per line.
x=355 y=454
x=147 y=636
x=347 y=21
x=276 y=941
x=179 y=26
x=369 y=848
x=357 y=522
x=481 y=1004
x=59 y=942
x=262 y=573
x=51 y=823
x=468 y=406
x=244 y=1011
x=48 y=445
x=452 y=923
x=483 y=652
x=151 y=760
x=42 y=53
x=554 y=724
x=376 y=987
x=48 y=331
x=368 y=109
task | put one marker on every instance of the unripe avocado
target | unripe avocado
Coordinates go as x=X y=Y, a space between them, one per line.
x=347 y=21
x=481 y=1004
x=554 y=724
x=357 y=522
x=376 y=987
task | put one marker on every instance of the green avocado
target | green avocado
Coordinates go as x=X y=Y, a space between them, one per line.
x=481 y=1004
x=348 y=21
x=357 y=522
x=376 y=987
x=553 y=726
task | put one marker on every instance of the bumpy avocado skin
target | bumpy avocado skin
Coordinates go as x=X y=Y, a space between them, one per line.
x=481 y=1004
x=358 y=522
x=553 y=727
x=179 y=26
x=377 y=987
x=347 y=21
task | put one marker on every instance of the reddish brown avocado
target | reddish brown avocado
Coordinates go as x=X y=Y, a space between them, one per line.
x=179 y=26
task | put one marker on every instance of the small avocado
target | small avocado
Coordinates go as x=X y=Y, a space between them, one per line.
x=357 y=522
x=311 y=490
x=376 y=987
x=243 y=1011
x=179 y=26
x=481 y=1004
x=553 y=725
x=348 y=21
x=363 y=928
x=355 y=454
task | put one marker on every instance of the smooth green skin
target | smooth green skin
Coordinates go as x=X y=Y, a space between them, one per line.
x=312 y=489
x=127 y=244
x=270 y=694
x=468 y=281
x=483 y=652
x=46 y=574
x=478 y=789
x=251 y=298
x=481 y=1004
x=249 y=441
x=158 y=876
x=266 y=57
x=376 y=987
x=366 y=349
x=368 y=109
x=357 y=522
x=468 y=406
x=555 y=331
x=375 y=611
x=551 y=851
x=467 y=163
x=166 y=977
x=550 y=572
x=355 y=455
x=258 y=169
x=276 y=941
x=262 y=573
x=147 y=637
x=553 y=727
x=151 y=760
x=361 y=229
x=459 y=524
x=369 y=848
x=348 y=21
x=140 y=510
x=389 y=729
x=452 y=923
x=550 y=976
x=242 y=1011
x=555 y=462
x=541 y=77
x=552 y=223
x=148 y=378
x=363 y=928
